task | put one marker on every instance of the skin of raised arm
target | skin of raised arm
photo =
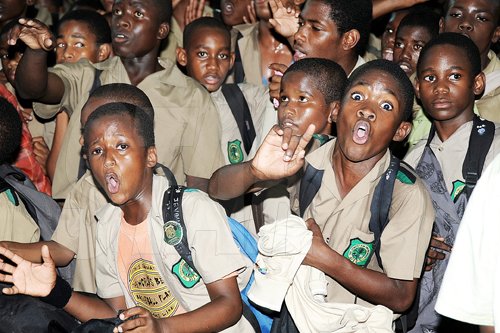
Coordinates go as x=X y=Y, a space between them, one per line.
x=33 y=81
x=60 y=254
x=372 y=286
x=224 y=310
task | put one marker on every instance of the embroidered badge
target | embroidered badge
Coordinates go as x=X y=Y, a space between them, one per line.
x=458 y=187
x=186 y=275
x=359 y=252
x=234 y=152
x=173 y=232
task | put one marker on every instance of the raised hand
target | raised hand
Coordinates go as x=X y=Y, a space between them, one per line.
x=275 y=81
x=194 y=10
x=28 y=278
x=285 y=20
x=35 y=34
x=281 y=154
x=251 y=16
x=138 y=319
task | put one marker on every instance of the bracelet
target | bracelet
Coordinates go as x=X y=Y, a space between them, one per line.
x=59 y=295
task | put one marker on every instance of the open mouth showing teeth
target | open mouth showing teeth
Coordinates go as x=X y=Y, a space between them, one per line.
x=112 y=183
x=361 y=132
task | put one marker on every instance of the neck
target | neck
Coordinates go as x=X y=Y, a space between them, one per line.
x=484 y=60
x=445 y=129
x=139 y=68
x=348 y=63
x=136 y=210
x=349 y=173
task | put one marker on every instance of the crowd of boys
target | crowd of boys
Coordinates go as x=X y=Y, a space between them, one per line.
x=261 y=109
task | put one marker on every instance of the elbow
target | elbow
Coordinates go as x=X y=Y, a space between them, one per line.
x=402 y=303
x=235 y=312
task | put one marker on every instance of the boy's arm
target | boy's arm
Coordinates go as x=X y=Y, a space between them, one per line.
x=60 y=254
x=223 y=311
x=33 y=81
x=281 y=155
x=382 y=7
x=375 y=287
x=285 y=20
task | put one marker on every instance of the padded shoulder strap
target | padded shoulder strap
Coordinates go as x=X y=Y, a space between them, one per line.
x=381 y=203
x=241 y=113
x=167 y=173
x=239 y=72
x=480 y=141
x=309 y=186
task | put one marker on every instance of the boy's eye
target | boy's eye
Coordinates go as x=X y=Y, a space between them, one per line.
x=389 y=30
x=223 y=56
x=417 y=47
x=139 y=14
x=455 y=76
x=317 y=27
x=284 y=98
x=356 y=96
x=455 y=14
x=96 y=151
x=4 y=56
x=79 y=45
x=303 y=99
x=301 y=22
x=61 y=45
x=387 y=106
x=122 y=146
x=201 y=54
x=482 y=18
x=398 y=45
x=117 y=11
x=430 y=78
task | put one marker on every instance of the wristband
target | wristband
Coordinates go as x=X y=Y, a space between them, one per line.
x=59 y=295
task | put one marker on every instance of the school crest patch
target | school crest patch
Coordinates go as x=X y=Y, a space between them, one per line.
x=172 y=232
x=234 y=152
x=186 y=275
x=458 y=187
x=359 y=252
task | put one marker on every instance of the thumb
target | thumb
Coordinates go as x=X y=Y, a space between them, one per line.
x=47 y=43
x=46 y=258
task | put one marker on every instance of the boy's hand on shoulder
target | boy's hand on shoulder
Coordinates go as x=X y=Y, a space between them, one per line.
x=437 y=251
x=281 y=154
x=138 y=319
x=35 y=34
x=285 y=20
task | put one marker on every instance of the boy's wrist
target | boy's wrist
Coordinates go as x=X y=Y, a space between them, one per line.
x=60 y=294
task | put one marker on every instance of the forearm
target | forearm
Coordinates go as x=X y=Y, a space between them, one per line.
x=215 y=316
x=61 y=255
x=84 y=307
x=197 y=182
x=231 y=181
x=372 y=286
x=382 y=7
x=33 y=79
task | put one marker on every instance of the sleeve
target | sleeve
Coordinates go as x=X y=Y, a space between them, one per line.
x=406 y=237
x=470 y=284
x=107 y=278
x=67 y=232
x=201 y=149
x=77 y=79
x=214 y=252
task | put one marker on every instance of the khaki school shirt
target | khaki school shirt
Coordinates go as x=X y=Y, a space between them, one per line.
x=249 y=51
x=187 y=130
x=214 y=252
x=488 y=105
x=76 y=230
x=345 y=222
x=16 y=224
x=451 y=155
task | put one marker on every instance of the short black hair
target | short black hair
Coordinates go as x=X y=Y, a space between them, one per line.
x=203 y=22
x=427 y=19
x=96 y=23
x=328 y=76
x=399 y=76
x=140 y=120
x=164 y=10
x=124 y=93
x=459 y=41
x=352 y=14
x=10 y=131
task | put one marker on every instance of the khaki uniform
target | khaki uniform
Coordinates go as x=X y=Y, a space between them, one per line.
x=16 y=224
x=187 y=129
x=488 y=104
x=249 y=50
x=451 y=153
x=214 y=252
x=76 y=230
x=275 y=202
x=345 y=222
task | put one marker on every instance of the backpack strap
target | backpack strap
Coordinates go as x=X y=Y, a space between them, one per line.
x=239 y=72
x=381 y=203
x=167 y=173
x=241 y=113
x=480 y=141
x=309 y=186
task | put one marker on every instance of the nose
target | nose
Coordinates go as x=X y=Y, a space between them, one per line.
x=366 y=113
x=212 y=62
x=465 y=26
x=406 y=54
x=109 y=160
x=68 y=53
x=440 y=87
x=300 y=35
x=122 y=20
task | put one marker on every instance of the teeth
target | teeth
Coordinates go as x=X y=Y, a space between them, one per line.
x=120 y=35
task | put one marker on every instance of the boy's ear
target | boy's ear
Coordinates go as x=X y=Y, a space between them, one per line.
x=479 y=84
x=181 y=56
x=441 y=25
x=402 y=132
x=232 y=57
x=152 y=158
x=350 y=39
x=334 y=110
x=163 y=30
x=104 y=51
x=496 y=35
x=417 y=87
